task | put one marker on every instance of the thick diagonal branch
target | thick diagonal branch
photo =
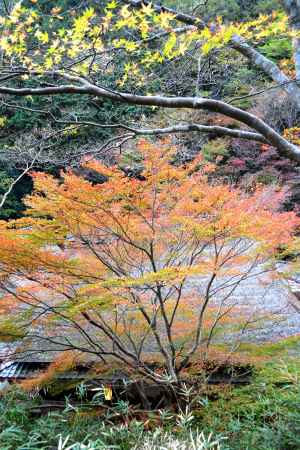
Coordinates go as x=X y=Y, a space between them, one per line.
x=82 y=86
x=268 y=67
x=214 y=130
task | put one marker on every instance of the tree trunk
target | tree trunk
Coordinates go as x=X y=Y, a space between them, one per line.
x=292 y=8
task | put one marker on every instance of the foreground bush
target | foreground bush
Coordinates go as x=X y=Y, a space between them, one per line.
x=262 y=416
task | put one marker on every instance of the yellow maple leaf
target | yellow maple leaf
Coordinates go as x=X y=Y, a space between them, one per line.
x=124 y=12
x=42 y=36
x=165 y=18
x=112 y=5
x=147 y=9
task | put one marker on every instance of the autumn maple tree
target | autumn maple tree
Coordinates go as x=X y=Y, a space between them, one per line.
x=135 y=267
x=43 y=56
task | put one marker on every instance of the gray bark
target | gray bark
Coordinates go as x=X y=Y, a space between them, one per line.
x=292 y=8
x=211 y=129
x=284 y=147
x=268 y=67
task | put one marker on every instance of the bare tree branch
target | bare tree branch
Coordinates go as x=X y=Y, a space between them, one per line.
x=16 y=180
x=214 y=129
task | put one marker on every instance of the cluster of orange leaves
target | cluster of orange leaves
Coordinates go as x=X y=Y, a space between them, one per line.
x=66 y=361
x=293 y=135
x=66 y=248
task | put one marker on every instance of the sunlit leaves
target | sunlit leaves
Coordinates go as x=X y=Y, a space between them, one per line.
x=169 y=45
x=81 y=23
x=164 y=19
x=293 y=134
x=112 y=5
x=43 y=37
x=118 y=27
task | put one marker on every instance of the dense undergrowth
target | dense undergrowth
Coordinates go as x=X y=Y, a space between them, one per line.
x=264 y=415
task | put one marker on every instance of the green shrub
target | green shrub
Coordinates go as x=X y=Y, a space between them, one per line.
x=230 y=10
x=215 y=150
x=262 y=416
x=277 y=49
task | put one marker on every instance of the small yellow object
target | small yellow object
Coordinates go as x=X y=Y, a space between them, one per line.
x=107 y=390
